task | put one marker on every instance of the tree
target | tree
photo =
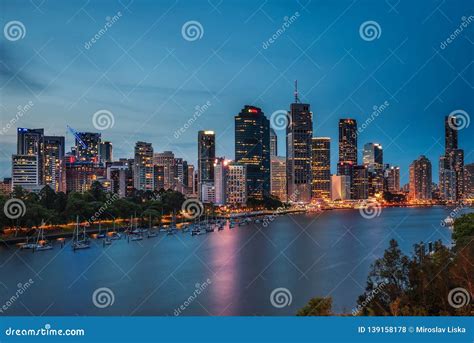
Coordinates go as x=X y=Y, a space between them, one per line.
x=317 y=307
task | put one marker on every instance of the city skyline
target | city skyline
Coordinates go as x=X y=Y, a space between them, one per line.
x=339 y=78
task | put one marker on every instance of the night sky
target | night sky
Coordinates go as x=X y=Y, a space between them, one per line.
x=151 y=78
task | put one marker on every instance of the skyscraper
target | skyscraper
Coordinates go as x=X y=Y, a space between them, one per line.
x=236 y=184
x=348 y=141
x=420 y=179
x=143 y=167
x=273 y=143
x=373 y=159
x=30 y=142
x=167 y=161
x=299 y=134
x=392 y=179
x=451 y=166
x=54 y=171
x=347 y=147
x=87 y=148
x=360 y=182
x=105 y=152
x=321 y=168
x=206 y=158
x=278 y=177
x=252 y=149
x=220 y=180
x=25 y=172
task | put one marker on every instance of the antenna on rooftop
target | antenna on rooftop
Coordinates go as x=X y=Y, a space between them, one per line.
x=297 y=99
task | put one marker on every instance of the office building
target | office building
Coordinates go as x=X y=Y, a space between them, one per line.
x=143 y=167
x=340 y=187
x=25 y=172
x=54 y=173
x=220 y=180
x=321 y=168
x=420 y=179
x=252 y=148
x=273 y=143
x=278 y=177
x=236 y=188
x=299 y=134
x=166 y=160
x=206 y=158
x=106 y=152
x=360 y=182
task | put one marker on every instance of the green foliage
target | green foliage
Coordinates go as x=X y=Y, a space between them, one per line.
x=60 y=208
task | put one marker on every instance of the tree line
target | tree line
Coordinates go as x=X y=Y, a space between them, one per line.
x=440 y=283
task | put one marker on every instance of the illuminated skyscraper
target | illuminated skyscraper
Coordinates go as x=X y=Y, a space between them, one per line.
x=373 y=159
x=143 y=167
x=54 y=171
x=105 y=153
x=252 y=149
x=392 y=179
x=321 y=168
x=30 y=142
x=360 y=182
x=220 y=180
x=236 y=184
x=167 y=161
x=299 y=134
x=206 y=158
x=420 y=179
x=87 y=148
x=278 y=177
x=347 y=147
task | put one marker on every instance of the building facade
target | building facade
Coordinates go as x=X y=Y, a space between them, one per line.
x=278 y=177
x=321 y=168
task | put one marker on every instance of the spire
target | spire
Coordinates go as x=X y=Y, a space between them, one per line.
x=297 y=99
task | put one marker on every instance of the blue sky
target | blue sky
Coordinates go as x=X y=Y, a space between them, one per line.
x=144 y=72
